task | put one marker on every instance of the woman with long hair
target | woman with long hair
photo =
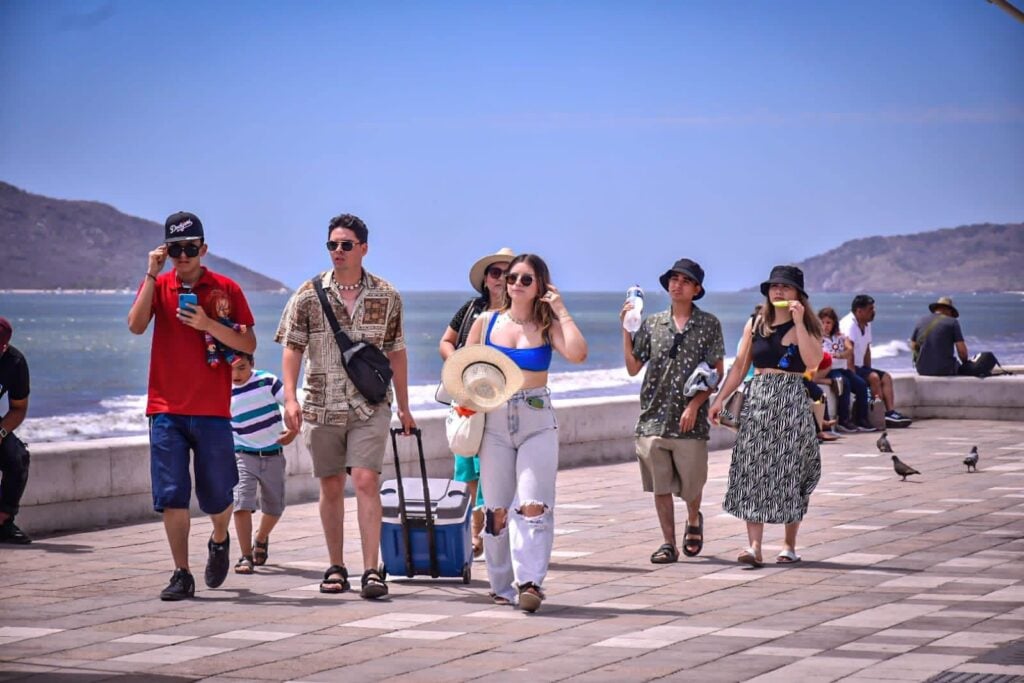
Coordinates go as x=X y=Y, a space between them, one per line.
x=519 y=451
x=775 y=462
x=487 y=275
x=841 y=349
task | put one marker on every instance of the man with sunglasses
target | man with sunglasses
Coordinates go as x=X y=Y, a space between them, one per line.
x=344 y=432
x=673 y=430
x=189 y=402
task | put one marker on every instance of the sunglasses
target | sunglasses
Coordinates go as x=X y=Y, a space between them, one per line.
x=190 y=250
x=346 y=245
x=676 y=341
x=495 y=272
x=524 y=279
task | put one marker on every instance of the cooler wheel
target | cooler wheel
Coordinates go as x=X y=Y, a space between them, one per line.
x=467 y=573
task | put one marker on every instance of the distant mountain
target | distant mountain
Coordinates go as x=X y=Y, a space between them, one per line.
x=58 y=244
x=971 y=258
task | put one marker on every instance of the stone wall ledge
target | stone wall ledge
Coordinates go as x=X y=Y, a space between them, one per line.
x=98 y=483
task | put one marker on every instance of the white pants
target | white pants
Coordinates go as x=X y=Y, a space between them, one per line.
x=518 y=466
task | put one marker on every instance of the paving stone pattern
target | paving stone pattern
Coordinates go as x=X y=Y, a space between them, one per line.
x=899 y=581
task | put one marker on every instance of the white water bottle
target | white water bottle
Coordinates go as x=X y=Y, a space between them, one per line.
x=631 y=322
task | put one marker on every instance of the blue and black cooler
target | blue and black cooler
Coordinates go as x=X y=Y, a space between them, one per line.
x=425 y=529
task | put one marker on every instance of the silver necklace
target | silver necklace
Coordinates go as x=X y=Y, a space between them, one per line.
x=517 y=321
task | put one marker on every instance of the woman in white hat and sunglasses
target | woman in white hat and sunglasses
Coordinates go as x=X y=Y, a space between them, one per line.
x=487 y=276
x=519 y=451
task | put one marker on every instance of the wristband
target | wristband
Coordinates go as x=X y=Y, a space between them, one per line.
x=151 y=276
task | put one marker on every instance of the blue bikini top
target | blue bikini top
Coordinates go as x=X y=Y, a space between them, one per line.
x=535 y=359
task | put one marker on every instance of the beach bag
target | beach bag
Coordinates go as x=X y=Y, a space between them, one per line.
x=465 y=430
x=730 y=415
x=366 y=365
x=981 y=365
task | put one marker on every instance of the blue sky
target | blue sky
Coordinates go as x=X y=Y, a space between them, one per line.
x=609 y=137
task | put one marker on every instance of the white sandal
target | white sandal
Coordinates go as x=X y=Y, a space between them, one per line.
x=787 y=557
x=748 y=556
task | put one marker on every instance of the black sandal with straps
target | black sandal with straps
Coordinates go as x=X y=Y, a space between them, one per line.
x=331 y=580
x=373 y=585
x=260 y=552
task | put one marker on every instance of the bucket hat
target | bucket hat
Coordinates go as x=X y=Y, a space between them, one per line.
x=690 y=269
x=947 y=302
x=785 y=275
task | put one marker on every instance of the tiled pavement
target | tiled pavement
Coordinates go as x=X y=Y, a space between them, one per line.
x=899 y=581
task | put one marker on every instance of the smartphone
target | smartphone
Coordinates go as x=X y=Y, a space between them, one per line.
x=185 y=301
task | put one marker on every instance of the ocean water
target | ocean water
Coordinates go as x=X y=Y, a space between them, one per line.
x=89 y=373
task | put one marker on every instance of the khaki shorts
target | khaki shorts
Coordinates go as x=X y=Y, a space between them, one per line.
x=678 y=466
x=361 y=443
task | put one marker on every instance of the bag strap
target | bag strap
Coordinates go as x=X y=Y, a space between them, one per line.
x=924 y=334
x=467 y=322
x=344 y=343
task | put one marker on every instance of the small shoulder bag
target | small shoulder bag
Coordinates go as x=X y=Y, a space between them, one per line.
x=367 y=366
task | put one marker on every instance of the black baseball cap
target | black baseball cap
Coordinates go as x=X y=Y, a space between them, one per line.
x=182 y=226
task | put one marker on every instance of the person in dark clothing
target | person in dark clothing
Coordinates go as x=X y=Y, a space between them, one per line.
x=935 y=338
x=14 y=456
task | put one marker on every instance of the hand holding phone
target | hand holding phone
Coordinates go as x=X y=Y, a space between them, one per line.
x=186 y=303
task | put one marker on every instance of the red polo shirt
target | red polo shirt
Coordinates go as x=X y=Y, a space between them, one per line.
x=181 y=382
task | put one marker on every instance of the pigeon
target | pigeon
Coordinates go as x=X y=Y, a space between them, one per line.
x=883 y=443
x=902 y=468
x=972 y=460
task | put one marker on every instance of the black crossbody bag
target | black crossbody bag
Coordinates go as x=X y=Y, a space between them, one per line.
x=367 y=366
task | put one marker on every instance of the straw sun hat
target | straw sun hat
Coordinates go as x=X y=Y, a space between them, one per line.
x=476 y=273
x=480 y=377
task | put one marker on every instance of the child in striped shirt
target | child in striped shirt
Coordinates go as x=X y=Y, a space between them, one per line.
x=256 y=400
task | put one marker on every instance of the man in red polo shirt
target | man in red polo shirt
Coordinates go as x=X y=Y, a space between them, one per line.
x=189 y=406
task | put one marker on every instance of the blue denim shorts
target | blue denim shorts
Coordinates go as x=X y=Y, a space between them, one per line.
x=171 y=439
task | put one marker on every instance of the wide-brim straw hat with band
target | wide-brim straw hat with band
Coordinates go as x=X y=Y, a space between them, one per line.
x=785 y=275
x=947 y=302
x=476 y=273
x=481 y=377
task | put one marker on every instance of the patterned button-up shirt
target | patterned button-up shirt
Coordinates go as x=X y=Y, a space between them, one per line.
x=661 y=395
x=377 y=318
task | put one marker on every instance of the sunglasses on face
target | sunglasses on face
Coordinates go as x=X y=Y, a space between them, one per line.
x=190 y=250
x=525 y=279
x=346 y=245
x=495 y=272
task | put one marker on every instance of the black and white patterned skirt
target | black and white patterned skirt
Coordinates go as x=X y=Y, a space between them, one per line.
x=776 y=462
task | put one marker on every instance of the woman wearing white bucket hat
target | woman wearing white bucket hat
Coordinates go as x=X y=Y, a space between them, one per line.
x=519 y=451
x=487 y=276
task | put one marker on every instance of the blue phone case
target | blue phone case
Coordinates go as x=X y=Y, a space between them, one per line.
x=187 y=300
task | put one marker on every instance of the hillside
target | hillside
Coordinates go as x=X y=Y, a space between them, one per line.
x=971 y=258
x=55 y=243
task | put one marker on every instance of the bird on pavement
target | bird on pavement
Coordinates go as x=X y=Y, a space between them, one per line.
x=883 y=443
x=972 y=460
x=902 y=468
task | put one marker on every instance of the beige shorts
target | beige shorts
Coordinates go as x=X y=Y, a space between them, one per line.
x=678 y=466
x=361 y=443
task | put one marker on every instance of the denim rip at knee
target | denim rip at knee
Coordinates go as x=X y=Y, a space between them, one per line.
x=518 y=468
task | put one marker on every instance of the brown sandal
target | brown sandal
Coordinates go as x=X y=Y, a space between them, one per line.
x=260 y=552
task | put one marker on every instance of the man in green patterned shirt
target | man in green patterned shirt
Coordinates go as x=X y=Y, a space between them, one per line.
x=672 y=432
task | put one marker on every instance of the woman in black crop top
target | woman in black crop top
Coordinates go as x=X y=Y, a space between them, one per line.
x=775 y=462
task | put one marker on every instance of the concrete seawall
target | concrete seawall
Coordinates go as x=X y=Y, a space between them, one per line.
x=82 y=485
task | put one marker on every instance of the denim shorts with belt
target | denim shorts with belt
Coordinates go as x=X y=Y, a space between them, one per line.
x=518 y=466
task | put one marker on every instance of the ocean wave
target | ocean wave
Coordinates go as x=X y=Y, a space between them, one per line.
x=890 y=349
x=125 y=415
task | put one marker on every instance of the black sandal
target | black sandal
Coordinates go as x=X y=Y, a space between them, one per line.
x=260 y=552
x=373 y=585
x=330 y=580
x=694 y=531
x=666 y=554
x=244 y=565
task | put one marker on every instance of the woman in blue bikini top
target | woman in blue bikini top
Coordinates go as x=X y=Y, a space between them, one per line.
x=519 y=449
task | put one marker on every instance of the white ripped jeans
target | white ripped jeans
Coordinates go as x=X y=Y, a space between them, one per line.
x=518 y=466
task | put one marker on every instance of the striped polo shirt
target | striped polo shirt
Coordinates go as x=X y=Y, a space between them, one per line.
x=256 y=413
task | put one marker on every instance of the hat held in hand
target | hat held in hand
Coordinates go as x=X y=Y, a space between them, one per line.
x=480 y=377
